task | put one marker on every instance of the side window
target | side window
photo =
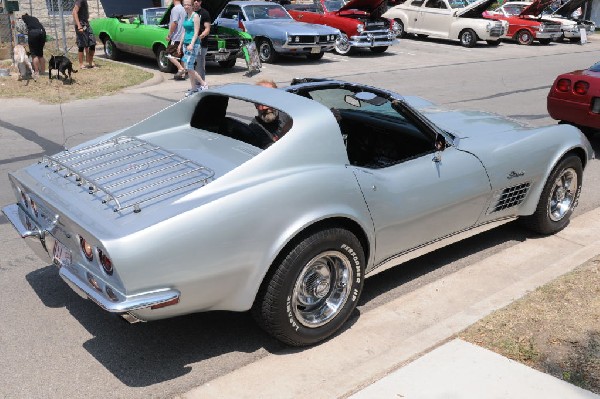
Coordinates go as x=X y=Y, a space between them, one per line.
x=376 y=132
x=435 y=4
x=417 y=3
x=232 y=12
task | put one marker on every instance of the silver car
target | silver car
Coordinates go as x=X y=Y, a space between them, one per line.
x=276 y=32
x=186 y=211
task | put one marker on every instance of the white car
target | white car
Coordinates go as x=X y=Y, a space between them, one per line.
x=448 y=19
x=571 y=24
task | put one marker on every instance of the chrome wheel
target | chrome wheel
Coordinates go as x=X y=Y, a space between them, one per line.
x=562 y=194
x=266 y=52
x=110 y=49
x=342 y=45
x=322 y=289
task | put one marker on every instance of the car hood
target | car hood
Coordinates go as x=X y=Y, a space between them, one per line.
x=364 y=5
x=474 y=10
x=214 y=8
x=536 y=8
x=292 y=27
x=568 y=8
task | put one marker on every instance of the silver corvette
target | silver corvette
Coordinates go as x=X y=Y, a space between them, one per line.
x=187 y=211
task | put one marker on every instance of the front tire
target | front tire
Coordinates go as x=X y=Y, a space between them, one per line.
x=342 y=45
x=314 y=288
x=379 y=49
x=315 y=56
x=266 y=52
x=110 y=50
x=468 y=38
x=559 y=198
x=228 y=63
x=524 y=37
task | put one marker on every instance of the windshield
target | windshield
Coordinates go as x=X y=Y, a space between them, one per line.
x=514 y=9
x=154 y=15
x=271 y=11
x=334 y=5
x=460 y=3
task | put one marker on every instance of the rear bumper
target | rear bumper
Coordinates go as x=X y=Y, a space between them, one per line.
x=80 y=279
x=577 y=113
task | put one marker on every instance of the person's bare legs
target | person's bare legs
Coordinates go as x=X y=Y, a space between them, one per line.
x=42 y=65
x=80 y=58
x=90 y=57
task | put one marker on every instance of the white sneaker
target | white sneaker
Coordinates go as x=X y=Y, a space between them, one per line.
x=190 y=92
x=204 y=87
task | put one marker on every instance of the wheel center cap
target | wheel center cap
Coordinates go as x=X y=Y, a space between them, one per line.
x=560 y=194
x=321 y=288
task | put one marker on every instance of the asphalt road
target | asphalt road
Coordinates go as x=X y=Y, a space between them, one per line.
x=53 y=344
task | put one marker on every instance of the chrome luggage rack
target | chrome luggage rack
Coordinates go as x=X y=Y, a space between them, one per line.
x=128 y=171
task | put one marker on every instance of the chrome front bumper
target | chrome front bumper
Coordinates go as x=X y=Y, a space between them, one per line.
x=367 y=39
x=547 y=35
x=42 y=242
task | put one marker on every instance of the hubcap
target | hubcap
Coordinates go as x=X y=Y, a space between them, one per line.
x=265 y=51
x=322 y=288
x=342 y=45
x=562 y=195
x=467 y=38
x=108 y=49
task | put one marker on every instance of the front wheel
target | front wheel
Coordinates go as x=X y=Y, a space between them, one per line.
x=342 y=45
x=468 y=38
x=379 y=49
x=524 y=37
x=266 y=52
x=315 y=56
x=110 y=50
x=559 y=198
x=314 y=288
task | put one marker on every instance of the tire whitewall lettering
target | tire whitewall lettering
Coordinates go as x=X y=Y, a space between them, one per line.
x=314 y=288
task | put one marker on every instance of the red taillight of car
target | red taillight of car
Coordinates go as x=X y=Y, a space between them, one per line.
x=174 y=301
x=105 y=262
x=563 y=85
x=86 y=248
x=581 y=87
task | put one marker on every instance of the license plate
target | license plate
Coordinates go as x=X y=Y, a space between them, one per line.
x=61 y=255
x=315 y=50
x=221 y=57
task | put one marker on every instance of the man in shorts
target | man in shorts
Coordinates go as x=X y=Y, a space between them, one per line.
x=36 y=39
x=175 y=29
x=85 y=36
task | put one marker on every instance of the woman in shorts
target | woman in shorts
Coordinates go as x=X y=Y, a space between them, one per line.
x=36 y=39
x=190 y=44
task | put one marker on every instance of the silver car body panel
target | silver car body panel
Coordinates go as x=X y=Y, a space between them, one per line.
x=209 y=247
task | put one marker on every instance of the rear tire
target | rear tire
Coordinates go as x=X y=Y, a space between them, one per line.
x=313 y=289
x=164 y=65
x=401 y=31
x=559 y=198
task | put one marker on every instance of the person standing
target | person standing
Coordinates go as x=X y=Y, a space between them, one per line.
x=205 y=22
x=175 y=28
x=85 y=36
x=36 y=39
x=191 y=45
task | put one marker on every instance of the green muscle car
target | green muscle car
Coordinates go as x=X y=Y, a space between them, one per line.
x=146 y=34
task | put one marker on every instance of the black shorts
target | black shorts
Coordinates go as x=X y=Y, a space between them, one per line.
x=86 y=37
x=36 y=38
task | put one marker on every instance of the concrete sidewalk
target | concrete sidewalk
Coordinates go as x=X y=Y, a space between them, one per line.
x=461 y=370
x=383 y=351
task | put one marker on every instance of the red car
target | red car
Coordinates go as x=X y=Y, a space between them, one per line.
x=523 y=26
x=575 y=98
x=359 y=22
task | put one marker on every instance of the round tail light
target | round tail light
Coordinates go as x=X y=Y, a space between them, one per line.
x=563 y=85
x=105 y=262
x=581 y=87
x=86 y=249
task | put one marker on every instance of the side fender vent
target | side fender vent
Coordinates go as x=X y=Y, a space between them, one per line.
x=511 y=196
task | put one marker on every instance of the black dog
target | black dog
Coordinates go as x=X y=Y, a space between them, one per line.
x=62 y=65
